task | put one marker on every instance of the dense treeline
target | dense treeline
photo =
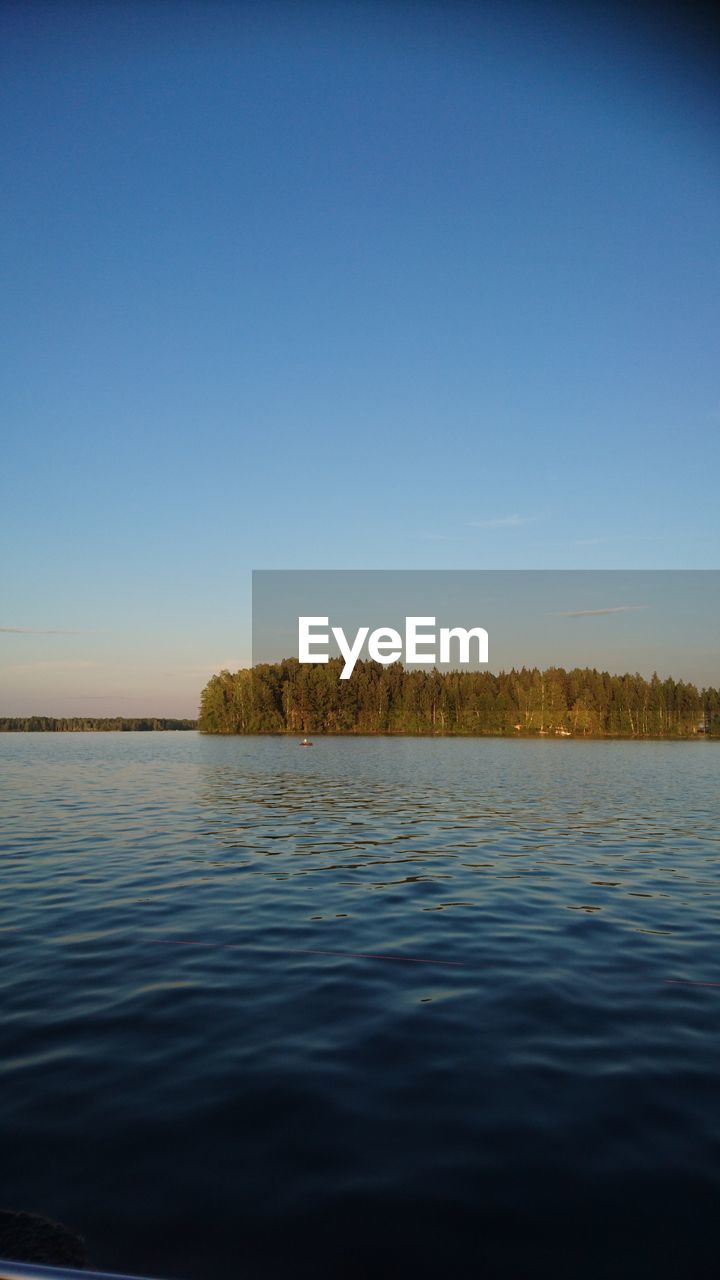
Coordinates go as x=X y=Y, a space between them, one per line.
x=289 y=697
x=82 y=724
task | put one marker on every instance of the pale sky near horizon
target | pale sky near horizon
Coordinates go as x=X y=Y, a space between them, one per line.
x=340 y=286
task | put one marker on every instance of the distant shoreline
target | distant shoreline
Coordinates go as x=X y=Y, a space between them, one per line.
x=92 y=724
x=192 y=726
x=321 y=735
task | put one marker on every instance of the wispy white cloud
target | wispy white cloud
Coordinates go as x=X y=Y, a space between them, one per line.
x=617 y=537
x=52 y=665
x=42 y=631
x=501 y=522
x=596 y=613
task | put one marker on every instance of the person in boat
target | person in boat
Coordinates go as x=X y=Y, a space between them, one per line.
x=305 y=743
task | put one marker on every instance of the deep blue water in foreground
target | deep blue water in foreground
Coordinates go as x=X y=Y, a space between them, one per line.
x=198 y=1076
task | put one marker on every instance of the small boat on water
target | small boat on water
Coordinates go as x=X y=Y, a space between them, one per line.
x=305 y=743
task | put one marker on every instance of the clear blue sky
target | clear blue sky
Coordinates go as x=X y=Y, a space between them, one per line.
x=335 y=286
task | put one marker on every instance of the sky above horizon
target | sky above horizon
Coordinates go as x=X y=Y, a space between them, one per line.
x=339 y=286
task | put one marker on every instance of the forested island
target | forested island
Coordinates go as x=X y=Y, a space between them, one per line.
x=83 y=724
x=294 y=698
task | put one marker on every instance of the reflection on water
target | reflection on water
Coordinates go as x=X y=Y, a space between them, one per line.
x=371 y=1009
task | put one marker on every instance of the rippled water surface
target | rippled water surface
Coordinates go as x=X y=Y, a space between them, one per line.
x=385 y=1006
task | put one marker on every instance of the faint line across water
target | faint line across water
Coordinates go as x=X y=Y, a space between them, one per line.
x=349 y=955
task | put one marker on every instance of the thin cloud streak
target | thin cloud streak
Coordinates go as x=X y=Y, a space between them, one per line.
x=596 y=613
x=43 y=631
x=56 y=665
x=617 y=537
x=502 y=522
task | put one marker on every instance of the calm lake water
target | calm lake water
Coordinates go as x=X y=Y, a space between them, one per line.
x=381 y=1007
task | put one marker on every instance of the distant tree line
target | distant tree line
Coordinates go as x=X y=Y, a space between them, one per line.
x=84 y=724
x=290 y=697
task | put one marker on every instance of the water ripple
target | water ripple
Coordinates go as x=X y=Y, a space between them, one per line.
x=363 y=1008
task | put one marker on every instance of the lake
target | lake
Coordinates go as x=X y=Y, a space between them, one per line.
x=381 y=1007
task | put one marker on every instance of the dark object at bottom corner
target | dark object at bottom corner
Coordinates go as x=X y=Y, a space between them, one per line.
x=28 y=1237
